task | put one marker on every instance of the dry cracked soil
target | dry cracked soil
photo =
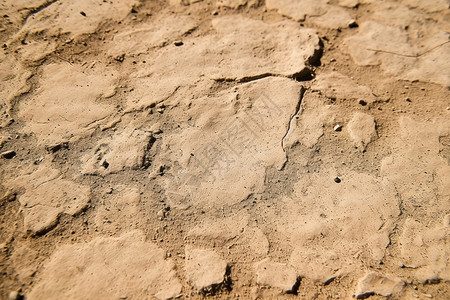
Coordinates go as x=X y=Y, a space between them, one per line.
x=224 y=149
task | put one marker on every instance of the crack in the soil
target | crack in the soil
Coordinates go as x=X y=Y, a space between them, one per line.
x=95 y=121
x=47 y=181
x=23 y=34
x=247 y=79
x=135 y=110
x=293 y=117
x=306 y=74
x=394 y=231
x=410 y=55
x=38 y=9
x=257 y=77
x=400 y=201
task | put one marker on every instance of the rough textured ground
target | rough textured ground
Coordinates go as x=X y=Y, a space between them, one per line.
x=224 y=149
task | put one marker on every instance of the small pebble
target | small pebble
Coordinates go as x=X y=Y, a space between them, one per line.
x=161 y=214
x=352 y=24
x=337 y=180
x=56 y=147
x=38 y=161
x=8 y=154
x=178 y=43
x=362 y=102
x=337 y=128
x=13 y=295
x=120 y=58
x=407 y=99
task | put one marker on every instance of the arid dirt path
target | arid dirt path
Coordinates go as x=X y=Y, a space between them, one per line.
x=224 y=149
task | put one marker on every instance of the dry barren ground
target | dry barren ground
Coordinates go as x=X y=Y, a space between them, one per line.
x=224 y=149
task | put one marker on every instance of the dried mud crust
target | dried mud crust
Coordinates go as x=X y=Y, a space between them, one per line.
x=224 y=149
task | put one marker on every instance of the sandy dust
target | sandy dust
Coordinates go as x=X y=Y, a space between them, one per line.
x=224 y=149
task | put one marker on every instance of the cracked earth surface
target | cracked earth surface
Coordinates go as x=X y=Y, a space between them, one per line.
x=225 y=149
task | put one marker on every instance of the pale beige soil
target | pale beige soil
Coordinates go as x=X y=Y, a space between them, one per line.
x=225 y=149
